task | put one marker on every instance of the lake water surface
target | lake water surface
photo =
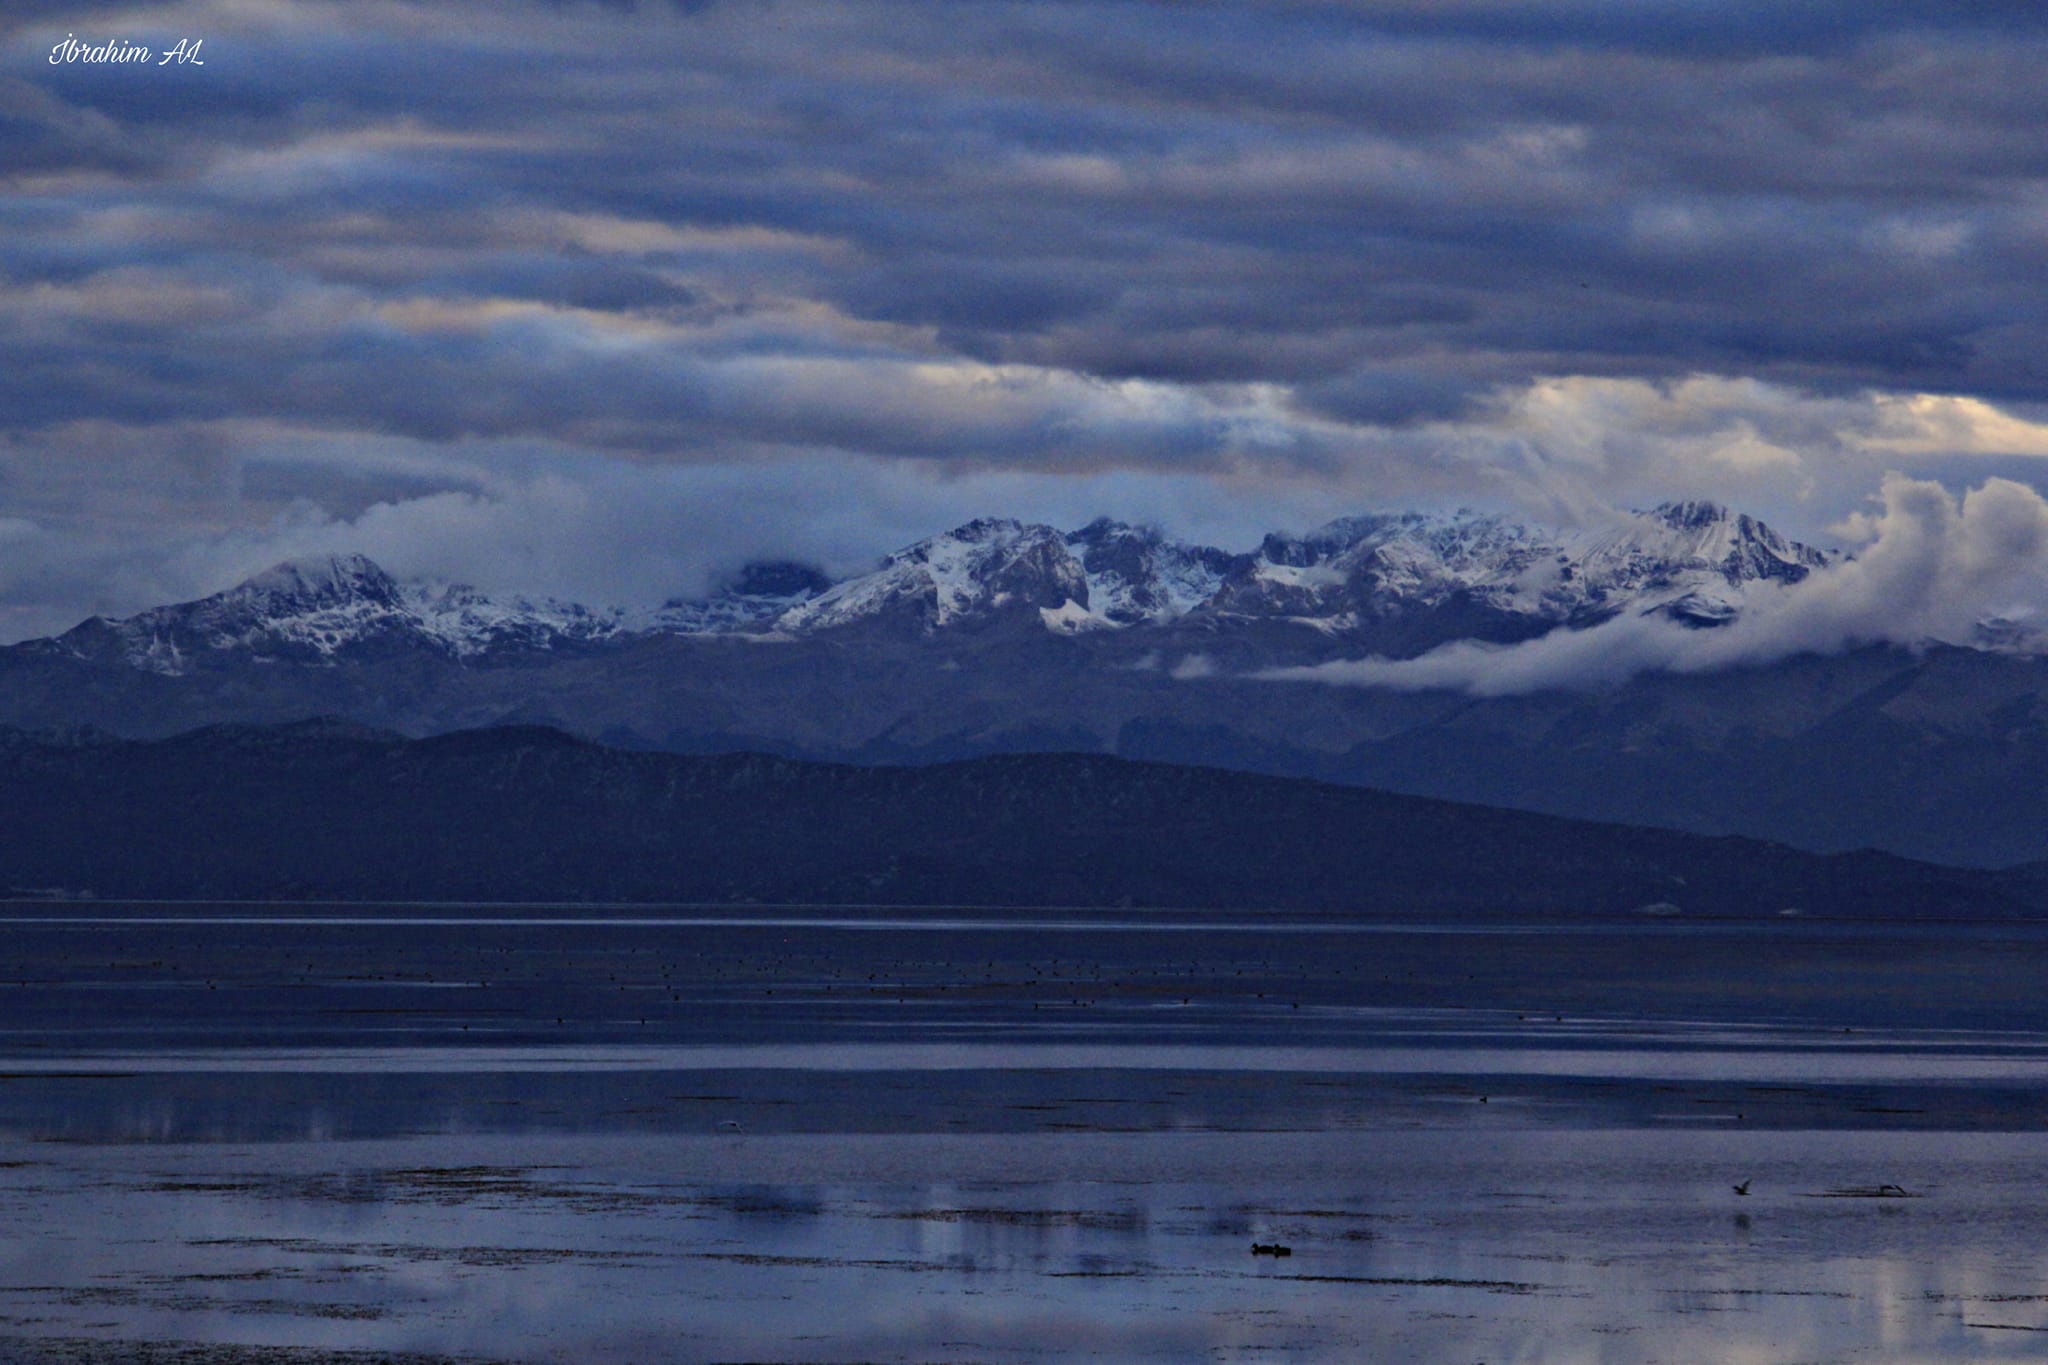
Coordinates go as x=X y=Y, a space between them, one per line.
x=258 y=1134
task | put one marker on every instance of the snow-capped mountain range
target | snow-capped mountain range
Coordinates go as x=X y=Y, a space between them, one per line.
x=1350 y=581
x=1010 y=637
x=1695 y=561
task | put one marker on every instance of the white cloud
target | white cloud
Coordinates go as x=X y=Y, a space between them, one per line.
x=1934 y=567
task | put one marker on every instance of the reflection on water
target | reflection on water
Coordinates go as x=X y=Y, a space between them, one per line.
x=1460 y=1245
x=294 y=1137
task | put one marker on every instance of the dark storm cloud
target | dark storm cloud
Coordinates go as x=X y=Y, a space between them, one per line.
x=1290 y=193
x=1694 y=26
x=1231 y=241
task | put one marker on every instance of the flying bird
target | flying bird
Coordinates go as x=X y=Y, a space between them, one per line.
x=1743 y=1188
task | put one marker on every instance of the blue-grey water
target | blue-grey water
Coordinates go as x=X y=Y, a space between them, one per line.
x=261 y=1134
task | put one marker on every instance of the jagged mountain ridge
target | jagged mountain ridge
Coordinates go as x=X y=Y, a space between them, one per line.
x=1937 y=752
x=320 y=611
x=311 y=611
x=1363 y=581
x=1692 y=560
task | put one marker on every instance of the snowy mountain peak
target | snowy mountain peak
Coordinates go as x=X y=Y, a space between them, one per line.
x=326 y=578
x=1382 y=583
x=1676 y=538
x=467 y=622
x=301 y=609
x=967 y=574
x=1404 y=582
x=320 y=610
x=1135 y=574
x=985 y=530
x=1692 y=514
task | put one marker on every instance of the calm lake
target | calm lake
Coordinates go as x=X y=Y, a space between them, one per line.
x=267 y=1134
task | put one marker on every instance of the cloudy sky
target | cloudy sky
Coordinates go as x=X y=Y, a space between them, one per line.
x=603 y=299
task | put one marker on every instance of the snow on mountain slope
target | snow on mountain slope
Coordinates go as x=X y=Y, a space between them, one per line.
x=322 y=610
x=467 y=622
x=1694 y=561
x=302 y=610
x=1475 y=575
x=1134 y=574
x=1106 y=575
x=964 y=574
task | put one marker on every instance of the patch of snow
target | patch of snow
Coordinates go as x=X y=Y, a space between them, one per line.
x=1071 y=618
x=468 y=623
x=968 y=572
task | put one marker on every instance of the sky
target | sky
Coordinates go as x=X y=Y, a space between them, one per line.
x=604 y=299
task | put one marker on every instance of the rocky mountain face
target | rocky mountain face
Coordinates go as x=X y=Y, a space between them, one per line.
x=1005 y=637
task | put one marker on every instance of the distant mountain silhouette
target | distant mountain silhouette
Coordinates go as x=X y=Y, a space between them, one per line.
x=332 y=810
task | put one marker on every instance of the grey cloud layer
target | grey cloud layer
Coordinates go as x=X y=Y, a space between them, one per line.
x=1287 y=251
x=1161 y=191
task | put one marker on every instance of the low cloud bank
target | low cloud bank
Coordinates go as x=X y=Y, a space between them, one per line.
x=1933 y=568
